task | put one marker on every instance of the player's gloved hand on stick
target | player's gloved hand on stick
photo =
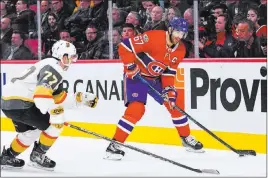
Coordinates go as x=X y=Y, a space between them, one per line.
x=132 y=70
x=57 y=116
x=170 y=94
x=87 y=99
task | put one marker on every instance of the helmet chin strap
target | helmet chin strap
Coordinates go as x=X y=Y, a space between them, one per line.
x=168 y=38
x=63 y=64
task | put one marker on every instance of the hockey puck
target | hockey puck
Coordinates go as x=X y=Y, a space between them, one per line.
x=241 y=155
x=263 y=71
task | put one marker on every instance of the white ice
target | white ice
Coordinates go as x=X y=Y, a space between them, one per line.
x=84 y=157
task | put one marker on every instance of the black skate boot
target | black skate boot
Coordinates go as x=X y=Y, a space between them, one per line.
x=9 y=161
x=114 y=152
x=38 y=159
x=192 y=144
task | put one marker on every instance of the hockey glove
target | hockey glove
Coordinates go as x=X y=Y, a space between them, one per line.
x=132 y=70
x=170 y=94
x=87 y=99
x=57 y=117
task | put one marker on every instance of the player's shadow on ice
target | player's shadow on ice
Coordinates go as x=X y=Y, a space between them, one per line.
x=30 y=170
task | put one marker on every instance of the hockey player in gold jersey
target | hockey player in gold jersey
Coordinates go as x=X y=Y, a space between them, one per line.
x=35 y=102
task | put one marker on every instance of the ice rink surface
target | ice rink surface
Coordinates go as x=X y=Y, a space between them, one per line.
x=84 y=157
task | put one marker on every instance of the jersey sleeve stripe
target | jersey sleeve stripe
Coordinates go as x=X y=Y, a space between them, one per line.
x=60 y=97
x=126 y=44
x=17 y=98
x=42 y=92
x=130 y=42
x=169 y=71
x=42 y=96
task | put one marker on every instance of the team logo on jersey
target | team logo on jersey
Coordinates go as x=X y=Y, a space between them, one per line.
x=135 y=95
x=174 y=59
x=156 y=68
x=145 y=38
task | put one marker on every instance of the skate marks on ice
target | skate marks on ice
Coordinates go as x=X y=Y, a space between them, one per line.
x=84 y=157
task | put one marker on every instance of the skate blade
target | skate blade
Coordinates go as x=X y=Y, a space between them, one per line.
x=195 y=151
x=7 y=167
x=37 y=166
x=113 y=157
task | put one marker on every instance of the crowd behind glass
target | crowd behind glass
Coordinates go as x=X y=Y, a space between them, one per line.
x=227 y=28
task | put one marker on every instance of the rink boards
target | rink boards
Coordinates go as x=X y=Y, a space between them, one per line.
x=227 y=96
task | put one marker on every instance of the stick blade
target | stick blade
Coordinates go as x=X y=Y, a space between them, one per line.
x=246 y=152
x=210 y=171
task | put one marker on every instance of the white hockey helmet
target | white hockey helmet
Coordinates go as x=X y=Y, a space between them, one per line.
x=64 y=48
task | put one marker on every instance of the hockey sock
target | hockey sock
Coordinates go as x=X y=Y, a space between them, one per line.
x=132 y=115
x=46 y=141
x=180 y=121
x=23 y=140
x=17 y=146
x=48 y=137
x=182 y=126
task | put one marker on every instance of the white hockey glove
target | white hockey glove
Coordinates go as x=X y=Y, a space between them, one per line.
x=87 y=99
x=57 y=116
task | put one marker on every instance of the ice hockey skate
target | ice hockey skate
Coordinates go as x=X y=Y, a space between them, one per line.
x=9 y=161
x=114 y=152
x=39 y=160
x=192 y=145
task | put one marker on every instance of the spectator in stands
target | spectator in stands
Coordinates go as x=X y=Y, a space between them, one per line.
x=51 y=35
x=65 y=35
x=188 y=16
x=78 y=22
x=98 y=14
x=134 y=18
x=224 y=45
x=69 y=6
x=240 y=7
x=219 y=9
x=61 y=13
x=149 y=5
x=10 y=6
x=171 y=12
x=237 y=18
x=249 y=43
x=253 y=15
x=118 y=18
x=116 y=41
x=127 y=5
x=6 y=31
x=95 y=45
x=128 y=31
x=24 y=20
x=4 y=13
x=264 y=46
x=45 y=10
x=181 y=5
x=3 y=9
x=157 y=23
x=142 y=12
x=17 y=50
x=263 y=12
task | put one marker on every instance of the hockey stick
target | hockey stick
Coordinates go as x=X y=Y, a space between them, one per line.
x=239 y=152
x=208 y=171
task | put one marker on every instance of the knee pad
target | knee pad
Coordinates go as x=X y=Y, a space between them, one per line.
x=28 y=137
x=134 y=112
